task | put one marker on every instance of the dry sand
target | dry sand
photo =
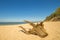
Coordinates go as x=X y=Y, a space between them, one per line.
x=12 y=32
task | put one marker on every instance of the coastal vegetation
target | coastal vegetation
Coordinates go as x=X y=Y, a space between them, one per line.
x=55 y=16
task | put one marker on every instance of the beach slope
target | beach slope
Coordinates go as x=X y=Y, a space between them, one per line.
x=13 y=32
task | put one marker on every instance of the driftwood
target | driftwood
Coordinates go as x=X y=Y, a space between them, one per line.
x=38 y=29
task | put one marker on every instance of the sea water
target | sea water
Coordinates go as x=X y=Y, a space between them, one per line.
x=11 y=23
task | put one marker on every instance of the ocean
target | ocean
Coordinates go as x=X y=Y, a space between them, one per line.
x=11 y=23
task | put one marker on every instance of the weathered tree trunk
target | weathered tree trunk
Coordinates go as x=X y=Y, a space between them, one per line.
x=36 y=30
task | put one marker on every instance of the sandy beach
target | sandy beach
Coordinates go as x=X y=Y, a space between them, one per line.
x=12 y=32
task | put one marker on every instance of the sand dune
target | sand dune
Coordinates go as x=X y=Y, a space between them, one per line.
x=12 y=32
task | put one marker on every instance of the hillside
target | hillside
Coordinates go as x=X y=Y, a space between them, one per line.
x=55 y=16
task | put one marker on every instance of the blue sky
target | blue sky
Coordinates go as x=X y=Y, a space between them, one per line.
x=33 y=10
